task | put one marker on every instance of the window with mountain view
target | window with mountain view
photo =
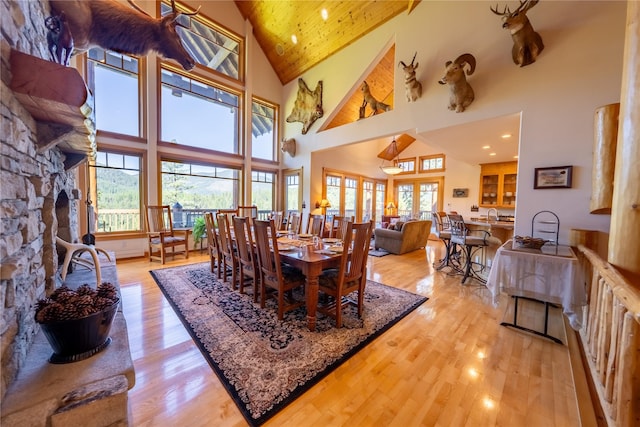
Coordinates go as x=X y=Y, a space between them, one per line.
x=116 y=185
x=196 y=188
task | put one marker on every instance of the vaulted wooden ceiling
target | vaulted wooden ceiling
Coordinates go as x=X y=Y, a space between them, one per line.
x=274 y=22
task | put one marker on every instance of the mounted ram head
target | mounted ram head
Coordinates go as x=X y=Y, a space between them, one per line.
x=460 y=92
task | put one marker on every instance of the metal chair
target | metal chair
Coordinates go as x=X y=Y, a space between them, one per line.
x=462 y=236
x=351 y=276
x=443 y=234
x=161 y=234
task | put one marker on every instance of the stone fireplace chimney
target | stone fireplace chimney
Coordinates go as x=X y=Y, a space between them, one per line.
x=45 y=135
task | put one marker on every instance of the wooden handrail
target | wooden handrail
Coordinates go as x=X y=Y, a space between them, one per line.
x=610 y=339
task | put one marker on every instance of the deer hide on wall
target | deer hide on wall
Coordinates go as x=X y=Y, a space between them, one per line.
x=308 y=106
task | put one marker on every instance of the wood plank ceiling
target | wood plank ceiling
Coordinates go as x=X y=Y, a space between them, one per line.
x=274 y=23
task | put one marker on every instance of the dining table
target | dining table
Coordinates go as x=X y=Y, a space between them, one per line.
x=311 y=260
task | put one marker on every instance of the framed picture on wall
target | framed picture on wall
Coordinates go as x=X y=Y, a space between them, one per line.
x=460 y=192
x=553 y=177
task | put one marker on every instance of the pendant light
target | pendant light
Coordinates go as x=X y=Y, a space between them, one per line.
x=394 y=168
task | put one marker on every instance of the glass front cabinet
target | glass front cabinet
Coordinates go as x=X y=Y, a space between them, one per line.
x=498 y=185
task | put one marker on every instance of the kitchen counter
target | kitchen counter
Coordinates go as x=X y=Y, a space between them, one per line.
x=507 y=225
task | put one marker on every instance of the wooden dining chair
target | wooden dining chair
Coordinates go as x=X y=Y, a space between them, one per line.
x=294 y=222
x=278 y=219
x=339 y=226
x=351 y=276
x=213 y=244
x=273 y=274
x=161 y=235
x=315 y=224
x=250 y=212
x=247 y=257
x=227 y=250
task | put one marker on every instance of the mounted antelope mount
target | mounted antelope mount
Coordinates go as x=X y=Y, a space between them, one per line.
x=527 y=44
x=460 y=92
x=412 y=87
x=308 y=106
x=288 y=146
x=374 y=104
x=113 y=26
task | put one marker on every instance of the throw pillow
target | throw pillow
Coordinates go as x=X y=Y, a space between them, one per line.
x=398 y=225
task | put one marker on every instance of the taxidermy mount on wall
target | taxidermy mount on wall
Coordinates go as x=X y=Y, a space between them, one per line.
x=308 y=106
x=460 y=92
x=114 y=26
x=288 y=146
x=374 y=104
x=527 y=44
x=412 y=87
x=59 y=39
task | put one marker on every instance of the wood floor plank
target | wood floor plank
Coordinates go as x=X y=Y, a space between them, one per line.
x=449 y=362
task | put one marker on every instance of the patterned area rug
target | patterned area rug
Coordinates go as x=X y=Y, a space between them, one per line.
x=378 y=252
x=265 y=364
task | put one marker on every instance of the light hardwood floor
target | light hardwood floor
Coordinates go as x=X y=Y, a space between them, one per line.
x=448 y=363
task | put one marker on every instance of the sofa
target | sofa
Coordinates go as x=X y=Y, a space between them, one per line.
x=403 y=237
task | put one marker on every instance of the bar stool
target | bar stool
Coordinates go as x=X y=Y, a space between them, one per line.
x=444 y=235
x=461 y=235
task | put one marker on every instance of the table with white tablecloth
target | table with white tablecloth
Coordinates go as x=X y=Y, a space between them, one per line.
x=550 y=275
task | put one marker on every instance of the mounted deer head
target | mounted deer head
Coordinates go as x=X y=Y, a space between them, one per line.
x=527 y=44
x=460 y=92
x=412 y=87
x=113 y=26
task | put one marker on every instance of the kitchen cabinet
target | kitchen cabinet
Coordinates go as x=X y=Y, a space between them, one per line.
x=498 y=185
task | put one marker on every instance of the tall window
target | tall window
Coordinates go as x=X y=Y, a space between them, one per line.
x=405 y=200
x=333 y=191
x=209 y=44
x=350 y=197
x=195 y=188
x=292 y=190
x=368 y=198
x=381 y=196
x=428 y=199
x=263 y=144
x=262 y=190
x=115 y=110
x=197 y=114
x=115 y=183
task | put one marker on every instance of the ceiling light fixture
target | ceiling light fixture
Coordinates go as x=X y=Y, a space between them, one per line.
x=492 y=154
x=325 y=14
x=294 y=39
x=486 y=147
x=394 y=168
x=506 y=135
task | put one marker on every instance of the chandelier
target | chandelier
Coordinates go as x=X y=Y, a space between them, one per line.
x=394 y=168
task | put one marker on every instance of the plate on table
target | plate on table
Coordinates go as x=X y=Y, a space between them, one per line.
x=285 y=248
x=330 y=240
x=305 y=236
x=337 y=249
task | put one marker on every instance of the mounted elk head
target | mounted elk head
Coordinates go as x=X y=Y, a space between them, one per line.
x=412 y=87
x=527 y=44
x=113 y=26
x=460 y=92
x=308 y=106
x=288 y=146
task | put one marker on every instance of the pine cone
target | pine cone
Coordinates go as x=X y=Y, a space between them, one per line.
x=86 y=290
x=50 y=313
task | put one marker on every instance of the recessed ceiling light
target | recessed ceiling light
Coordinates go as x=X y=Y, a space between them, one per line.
x=280 y=49
x=492 y=154
x=486 y=147
x=325 y=14
x=506 y=136
x=515 y=157
x=294 y=39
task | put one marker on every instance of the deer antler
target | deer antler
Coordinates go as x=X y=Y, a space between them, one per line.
x=506 y=10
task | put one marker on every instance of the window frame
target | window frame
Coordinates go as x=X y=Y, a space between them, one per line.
x=422 y=159
x=276 y=119
x=407 y=161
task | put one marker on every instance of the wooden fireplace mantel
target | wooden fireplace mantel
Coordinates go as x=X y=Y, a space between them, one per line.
x=58 y=99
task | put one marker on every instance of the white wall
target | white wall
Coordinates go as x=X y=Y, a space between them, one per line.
x=578 y=71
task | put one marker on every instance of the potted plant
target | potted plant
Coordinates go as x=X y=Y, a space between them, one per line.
x=77 y=322
x=199 y=230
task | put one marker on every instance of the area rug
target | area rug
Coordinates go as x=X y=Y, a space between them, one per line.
x=264 y=363
x=378 y=252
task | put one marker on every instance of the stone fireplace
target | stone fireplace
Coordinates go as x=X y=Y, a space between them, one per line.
x=39 y=199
